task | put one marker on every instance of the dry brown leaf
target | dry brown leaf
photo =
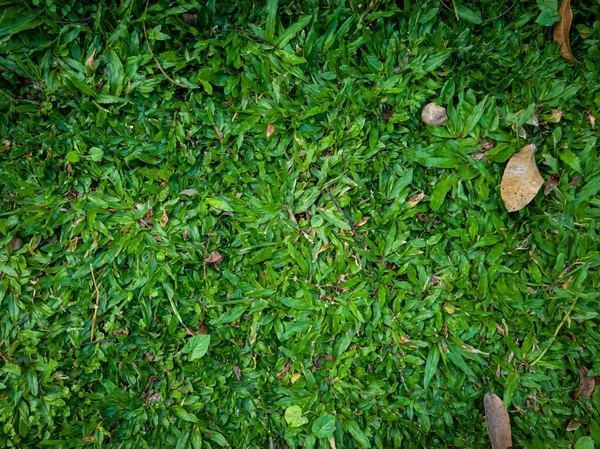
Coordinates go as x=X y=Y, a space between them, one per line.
x=434 y=114
x=497 y=421
x=592 y=120
x=551 y=182
x=561 y=30
x=332 y=442
x=214 y=258
x=189 y=18
x=164 y=219
x=270 y=130
x=416 y=199
x=586 y=384
x=521 y=180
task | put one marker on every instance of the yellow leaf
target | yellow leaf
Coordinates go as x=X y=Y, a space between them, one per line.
x=521 y=180
x=89 y=62
x=497 y=421
x=561 y=30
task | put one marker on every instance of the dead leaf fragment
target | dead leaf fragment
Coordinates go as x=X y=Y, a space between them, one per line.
x=189 y=18
x=561 y=30
x=89 y=62
x=332 y=442
x=497 y=421
x=574 y=424
x=521 y=180
x=586 y=384
x=416 y=199
x=164 y=219
x=214 y=258
x=591 y=119
x=16 y=243
x=270 y=130
x=434 y=114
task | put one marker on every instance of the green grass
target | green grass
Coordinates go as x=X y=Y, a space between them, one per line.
x=112 y=174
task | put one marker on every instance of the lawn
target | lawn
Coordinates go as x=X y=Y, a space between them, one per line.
x=224 y=224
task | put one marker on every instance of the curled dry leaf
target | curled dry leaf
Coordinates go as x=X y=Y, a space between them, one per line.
x=561 y=30
x=574 y=424
x=214 y=258
x=89 y=62
x=164 y=219
x=497 y=421
x=591 y=120
x=586 y=384
x=521 y=180
x=270 y=130
x=434 y=114
x=551 y=182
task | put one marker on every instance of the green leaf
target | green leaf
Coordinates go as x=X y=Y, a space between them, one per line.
x=358 y=434
x=431 y=365
x=271 y=9
x=96 y=154
x=474 y=117
x=510 y=388
x=584 y=443
x=196 y=346
x=293 y=416
x=469 y=15
x=291 y=31
x=548 y=18
x=440 y=191
x=72 y=156
x=324 y=426
x=219 y=204
x=181 y=413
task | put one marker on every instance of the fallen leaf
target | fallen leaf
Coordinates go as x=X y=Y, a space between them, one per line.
x=270 y=130
x=214 y=258
x=164 y=219
x=416 y=199
x=434 y=114
x=586 y=384
x=522 y=132
x=497 y=421
x=521 y=180
x=574 y=424
x=561 y=30
x=551 y=182
x=592 y=120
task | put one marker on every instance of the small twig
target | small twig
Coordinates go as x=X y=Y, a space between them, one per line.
x=247 y=33
x=152 y=53
x=565 y=318
x=2 y=354
x=349 y=220
x=445 y=5
x=508 y=10
x=111 y=340
x=97 y=301
x=85 y=19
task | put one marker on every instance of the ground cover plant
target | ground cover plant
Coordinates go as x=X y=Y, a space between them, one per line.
x=225 y=224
